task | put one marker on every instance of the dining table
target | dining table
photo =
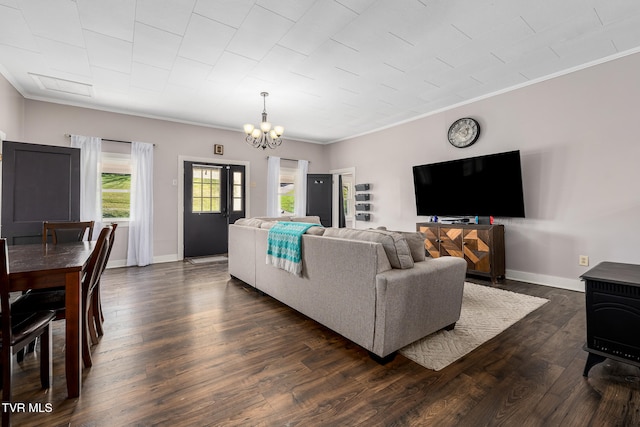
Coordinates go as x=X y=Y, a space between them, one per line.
x=42 y=266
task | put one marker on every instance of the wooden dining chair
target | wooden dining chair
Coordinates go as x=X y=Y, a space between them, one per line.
x=18 y=330
x=55 y=300
x=67 y=231
x=96 y=301
x=62 y=232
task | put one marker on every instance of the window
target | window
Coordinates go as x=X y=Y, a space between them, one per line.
x=347 y=196
x=206 y=189
x=286 y=192
x=116 y=186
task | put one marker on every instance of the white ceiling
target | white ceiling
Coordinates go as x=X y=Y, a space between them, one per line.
x=333 y=68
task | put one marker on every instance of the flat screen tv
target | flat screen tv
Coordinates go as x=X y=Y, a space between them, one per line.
x=488 y=185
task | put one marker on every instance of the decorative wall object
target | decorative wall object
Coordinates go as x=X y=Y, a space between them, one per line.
x=362 y=197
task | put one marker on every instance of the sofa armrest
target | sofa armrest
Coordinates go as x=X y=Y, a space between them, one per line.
x=413 y=303
x=241 y=253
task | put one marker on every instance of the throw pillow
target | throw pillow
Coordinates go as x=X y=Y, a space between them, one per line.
x=415 y=240
x=394 y=244
x=315 y=231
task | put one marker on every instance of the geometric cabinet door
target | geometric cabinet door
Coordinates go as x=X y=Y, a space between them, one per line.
x=476 y=249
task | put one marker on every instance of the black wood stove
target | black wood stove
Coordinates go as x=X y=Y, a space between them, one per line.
x=612 y=293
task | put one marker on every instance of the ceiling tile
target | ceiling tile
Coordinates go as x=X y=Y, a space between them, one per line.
x=14 y=30
x=155 y=47
x=205 y=40
x=546 y=15
x=258 y=33
x=145 y=76
x=358 y=6
x=510 y=33
x=229 y=12
x=106 y=79
x=290 y=9
x=114 y=18
x=168 y=15
x=278 y=59
x=613 y=11
x=108 y=52
x=231 y=69
x=25 y=62
x=313 y=29
x=64 y=57
x=189 y=73
x=54 y=19
x=624 y=34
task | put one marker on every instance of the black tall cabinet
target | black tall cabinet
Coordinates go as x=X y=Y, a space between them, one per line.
x=319 y=190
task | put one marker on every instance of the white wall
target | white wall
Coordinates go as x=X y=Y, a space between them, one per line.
x=46 y=123
x=11 y=111
x=580 y=152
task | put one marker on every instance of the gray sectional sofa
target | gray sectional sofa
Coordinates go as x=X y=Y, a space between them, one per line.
x=374 y=287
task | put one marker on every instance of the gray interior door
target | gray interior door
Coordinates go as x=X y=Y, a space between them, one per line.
x=213 y=198
x=39 y=183
x=319 y=191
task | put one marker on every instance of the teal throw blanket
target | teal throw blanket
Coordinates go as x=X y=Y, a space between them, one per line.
x=284 y=245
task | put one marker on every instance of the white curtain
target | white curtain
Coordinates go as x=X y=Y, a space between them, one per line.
x=140 y=248
x=90 y=182
x=300 y=199
x=273 y=186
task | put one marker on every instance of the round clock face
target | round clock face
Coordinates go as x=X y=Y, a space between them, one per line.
x=464 y=132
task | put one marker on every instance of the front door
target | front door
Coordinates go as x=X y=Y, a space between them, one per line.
x=213 y=198
x=39 y=183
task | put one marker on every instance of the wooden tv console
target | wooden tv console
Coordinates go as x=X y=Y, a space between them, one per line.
x=482 y=246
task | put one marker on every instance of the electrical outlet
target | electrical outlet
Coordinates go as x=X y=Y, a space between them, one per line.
x=583 y=260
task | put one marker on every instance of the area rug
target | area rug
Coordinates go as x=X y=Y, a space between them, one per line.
x=485 y=313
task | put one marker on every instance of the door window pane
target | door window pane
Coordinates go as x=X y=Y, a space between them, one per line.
x=206 y=189
x=238 y=189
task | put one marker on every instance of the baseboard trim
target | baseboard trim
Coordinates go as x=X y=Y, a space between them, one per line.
x=117 y=263
x=543 y=279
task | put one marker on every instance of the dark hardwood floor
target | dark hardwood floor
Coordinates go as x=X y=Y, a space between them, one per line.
x=185 y=345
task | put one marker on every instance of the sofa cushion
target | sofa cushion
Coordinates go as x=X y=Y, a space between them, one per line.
x=394 y=244
x=415 y=240
x=249 y=222
x=274 y=218
x=307 y=219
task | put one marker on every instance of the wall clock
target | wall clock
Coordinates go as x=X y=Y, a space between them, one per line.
x=464 y=132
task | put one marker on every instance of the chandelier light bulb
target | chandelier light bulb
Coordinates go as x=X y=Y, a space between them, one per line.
x=248 y=128
x=265 y=127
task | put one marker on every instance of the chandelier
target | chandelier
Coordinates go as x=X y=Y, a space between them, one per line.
x=263 y=136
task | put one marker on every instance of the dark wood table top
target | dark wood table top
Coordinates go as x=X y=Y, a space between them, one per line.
x=40 y=258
